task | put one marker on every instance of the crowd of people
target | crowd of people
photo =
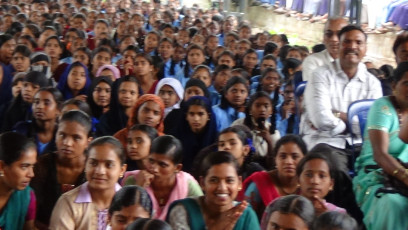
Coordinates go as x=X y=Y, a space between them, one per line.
x=138 y=115
x=376 y=16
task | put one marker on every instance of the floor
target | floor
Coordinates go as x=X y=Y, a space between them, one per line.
x=379 y=48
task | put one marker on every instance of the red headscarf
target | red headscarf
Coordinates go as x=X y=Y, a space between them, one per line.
x=145 y=98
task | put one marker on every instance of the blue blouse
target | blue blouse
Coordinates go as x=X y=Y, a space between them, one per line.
x=225 y=117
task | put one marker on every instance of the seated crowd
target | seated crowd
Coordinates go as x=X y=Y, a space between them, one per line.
x=135 y=115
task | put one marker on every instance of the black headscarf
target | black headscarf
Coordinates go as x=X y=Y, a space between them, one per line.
x=97 y=111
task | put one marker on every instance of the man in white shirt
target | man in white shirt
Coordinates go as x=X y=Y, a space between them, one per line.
x=331 y=90
x=327 y=56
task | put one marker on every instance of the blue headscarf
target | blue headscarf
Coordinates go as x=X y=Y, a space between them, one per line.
x=63 y=82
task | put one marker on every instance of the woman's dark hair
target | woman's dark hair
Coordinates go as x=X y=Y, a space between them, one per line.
x=148 y=130
x=170 y=146
x=217 y=158
x=131 y=195
x=23 y=50
x=80 y=117
x=148 y=224
x=56 y=94
x=82 y=105
x=290 y=204
x=227 y=53
x=13 y=145
x=388 y=71
x=15 y=27
x=334 y=220
x=102 y=21
x=320 y=151
x=53 y=37
x=187 y=66
x=4 y=38
x=269 y=57
x=199 y=101
x=85 y=50
x=250 y=51
x=100 y=50
x=290 y=63
x=145 y=56
x=401 y=38
x=243 y=133
x=248 y=118
x=115 y=143
x=270 y=48
x=230 y=83
x=290 y=138
x=400 y=71
x=30 y=39
x=218 y=69
x=106 y=42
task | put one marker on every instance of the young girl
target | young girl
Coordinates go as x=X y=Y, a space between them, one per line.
x=194 y=87
x=211 y=44
x=139 y=141
x=203 y=73
x=100 y=56
x=86 y=207
x=171 y=92
x=216 y=209
x=196 y=130
x=261 y=188
x=99 y=95
x=148 y=110
x=291 y=66
x=183 y=37
x=20 y=107
x=21 y=59
x=166 y=52
x=237 y=141
x=17 y=159
x=151 y=43
x=63 y=170
x=144 y=73
x=316 y=178
x=129 y=203
x=124 y=96
x=269 y=82
x=232 y=102
x=289 y=212
x=195 y=57
x=53 y=47
x=149 y=224
x=46 y=110
x=260 y=119
x=108 y=70
x=163 y=178
x=75 y=81
x=250 y=61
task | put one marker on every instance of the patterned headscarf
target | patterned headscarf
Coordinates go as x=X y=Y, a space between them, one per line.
x=145 y=98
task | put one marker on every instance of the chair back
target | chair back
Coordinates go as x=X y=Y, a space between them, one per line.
x=360 y=109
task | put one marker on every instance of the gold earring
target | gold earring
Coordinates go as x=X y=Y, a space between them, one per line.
x=121 y=175
x=1 y=173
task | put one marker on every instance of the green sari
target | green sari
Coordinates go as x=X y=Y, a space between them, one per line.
x=389 y=210
x=13 y=216
x=248 y=219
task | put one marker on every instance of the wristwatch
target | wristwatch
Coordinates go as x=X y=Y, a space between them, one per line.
x=337 y=114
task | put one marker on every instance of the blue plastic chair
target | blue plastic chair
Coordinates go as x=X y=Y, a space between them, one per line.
x=360 y=109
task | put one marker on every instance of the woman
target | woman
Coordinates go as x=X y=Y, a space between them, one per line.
x=21 y=59
x=144 y=73
x=129 y=203
x=163 y=178
x=171 y=92
x=139 y=142
x=232 y=103
x=86 y=207
x=261 y=188
x=53 y=48
x=75 y=81
x=217 y=208
x=108 y=70
x=18 y=156
x=20 y=107
x=194 y=87
x=125 y=93
x=196 y=130
x=379 y=155
x=260 y=119
x=99 y=95
x=148 y=110
x=63 y=170
x=195 y=57
x=46 y=110
x=289 y=212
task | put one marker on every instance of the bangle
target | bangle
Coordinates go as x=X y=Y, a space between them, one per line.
x=395 y=172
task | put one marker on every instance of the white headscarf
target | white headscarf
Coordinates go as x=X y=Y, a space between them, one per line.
x=178 y=88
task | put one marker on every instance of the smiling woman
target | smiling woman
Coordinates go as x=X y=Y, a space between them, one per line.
x=86 y=207
x=217 y=208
